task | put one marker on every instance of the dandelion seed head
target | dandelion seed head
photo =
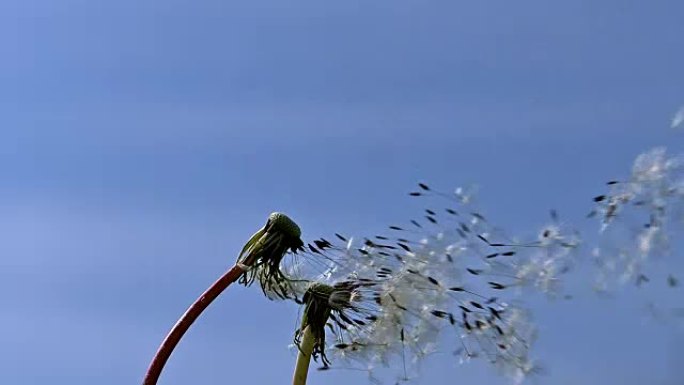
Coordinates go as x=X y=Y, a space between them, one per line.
x=279 y=222
x=263 y=253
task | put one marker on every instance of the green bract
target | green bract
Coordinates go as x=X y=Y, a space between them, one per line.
x=262 y=254
x=316 y=313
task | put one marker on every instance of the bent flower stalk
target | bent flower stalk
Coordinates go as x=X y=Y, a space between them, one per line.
x=260 y=260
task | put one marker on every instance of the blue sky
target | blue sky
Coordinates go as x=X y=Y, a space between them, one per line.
x=142 y=142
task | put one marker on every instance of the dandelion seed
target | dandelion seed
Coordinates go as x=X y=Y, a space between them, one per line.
x=554 y=215
x=678 y=118
x=654 y=190
x=437 y=279
x=672 y=281
x=496 y=286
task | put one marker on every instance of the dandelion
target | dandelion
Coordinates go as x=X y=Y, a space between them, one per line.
x=262 y=255
x=400 y=297
x=260 y=259
x=362 y=303
x=344 y=305
x=360 y=325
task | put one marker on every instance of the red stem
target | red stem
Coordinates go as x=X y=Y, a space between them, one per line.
x=186 y=320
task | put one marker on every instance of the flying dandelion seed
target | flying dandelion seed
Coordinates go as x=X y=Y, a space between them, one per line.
x=638 y=217
x=538 y=262
x=395 y=299
x=641 y=219
x=678 y=118
x=473 y=265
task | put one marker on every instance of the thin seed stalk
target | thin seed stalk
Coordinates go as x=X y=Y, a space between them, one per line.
x=306 y=346
x=186 y=320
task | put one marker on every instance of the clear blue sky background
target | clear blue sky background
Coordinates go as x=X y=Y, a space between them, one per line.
x=142 y=142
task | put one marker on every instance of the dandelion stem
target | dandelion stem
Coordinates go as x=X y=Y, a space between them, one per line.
x=185 y=321
x=304 y=357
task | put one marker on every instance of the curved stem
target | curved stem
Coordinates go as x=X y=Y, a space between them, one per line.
x=304 y=357
x=186 y=320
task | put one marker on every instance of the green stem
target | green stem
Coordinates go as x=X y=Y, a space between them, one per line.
x=304 y=357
